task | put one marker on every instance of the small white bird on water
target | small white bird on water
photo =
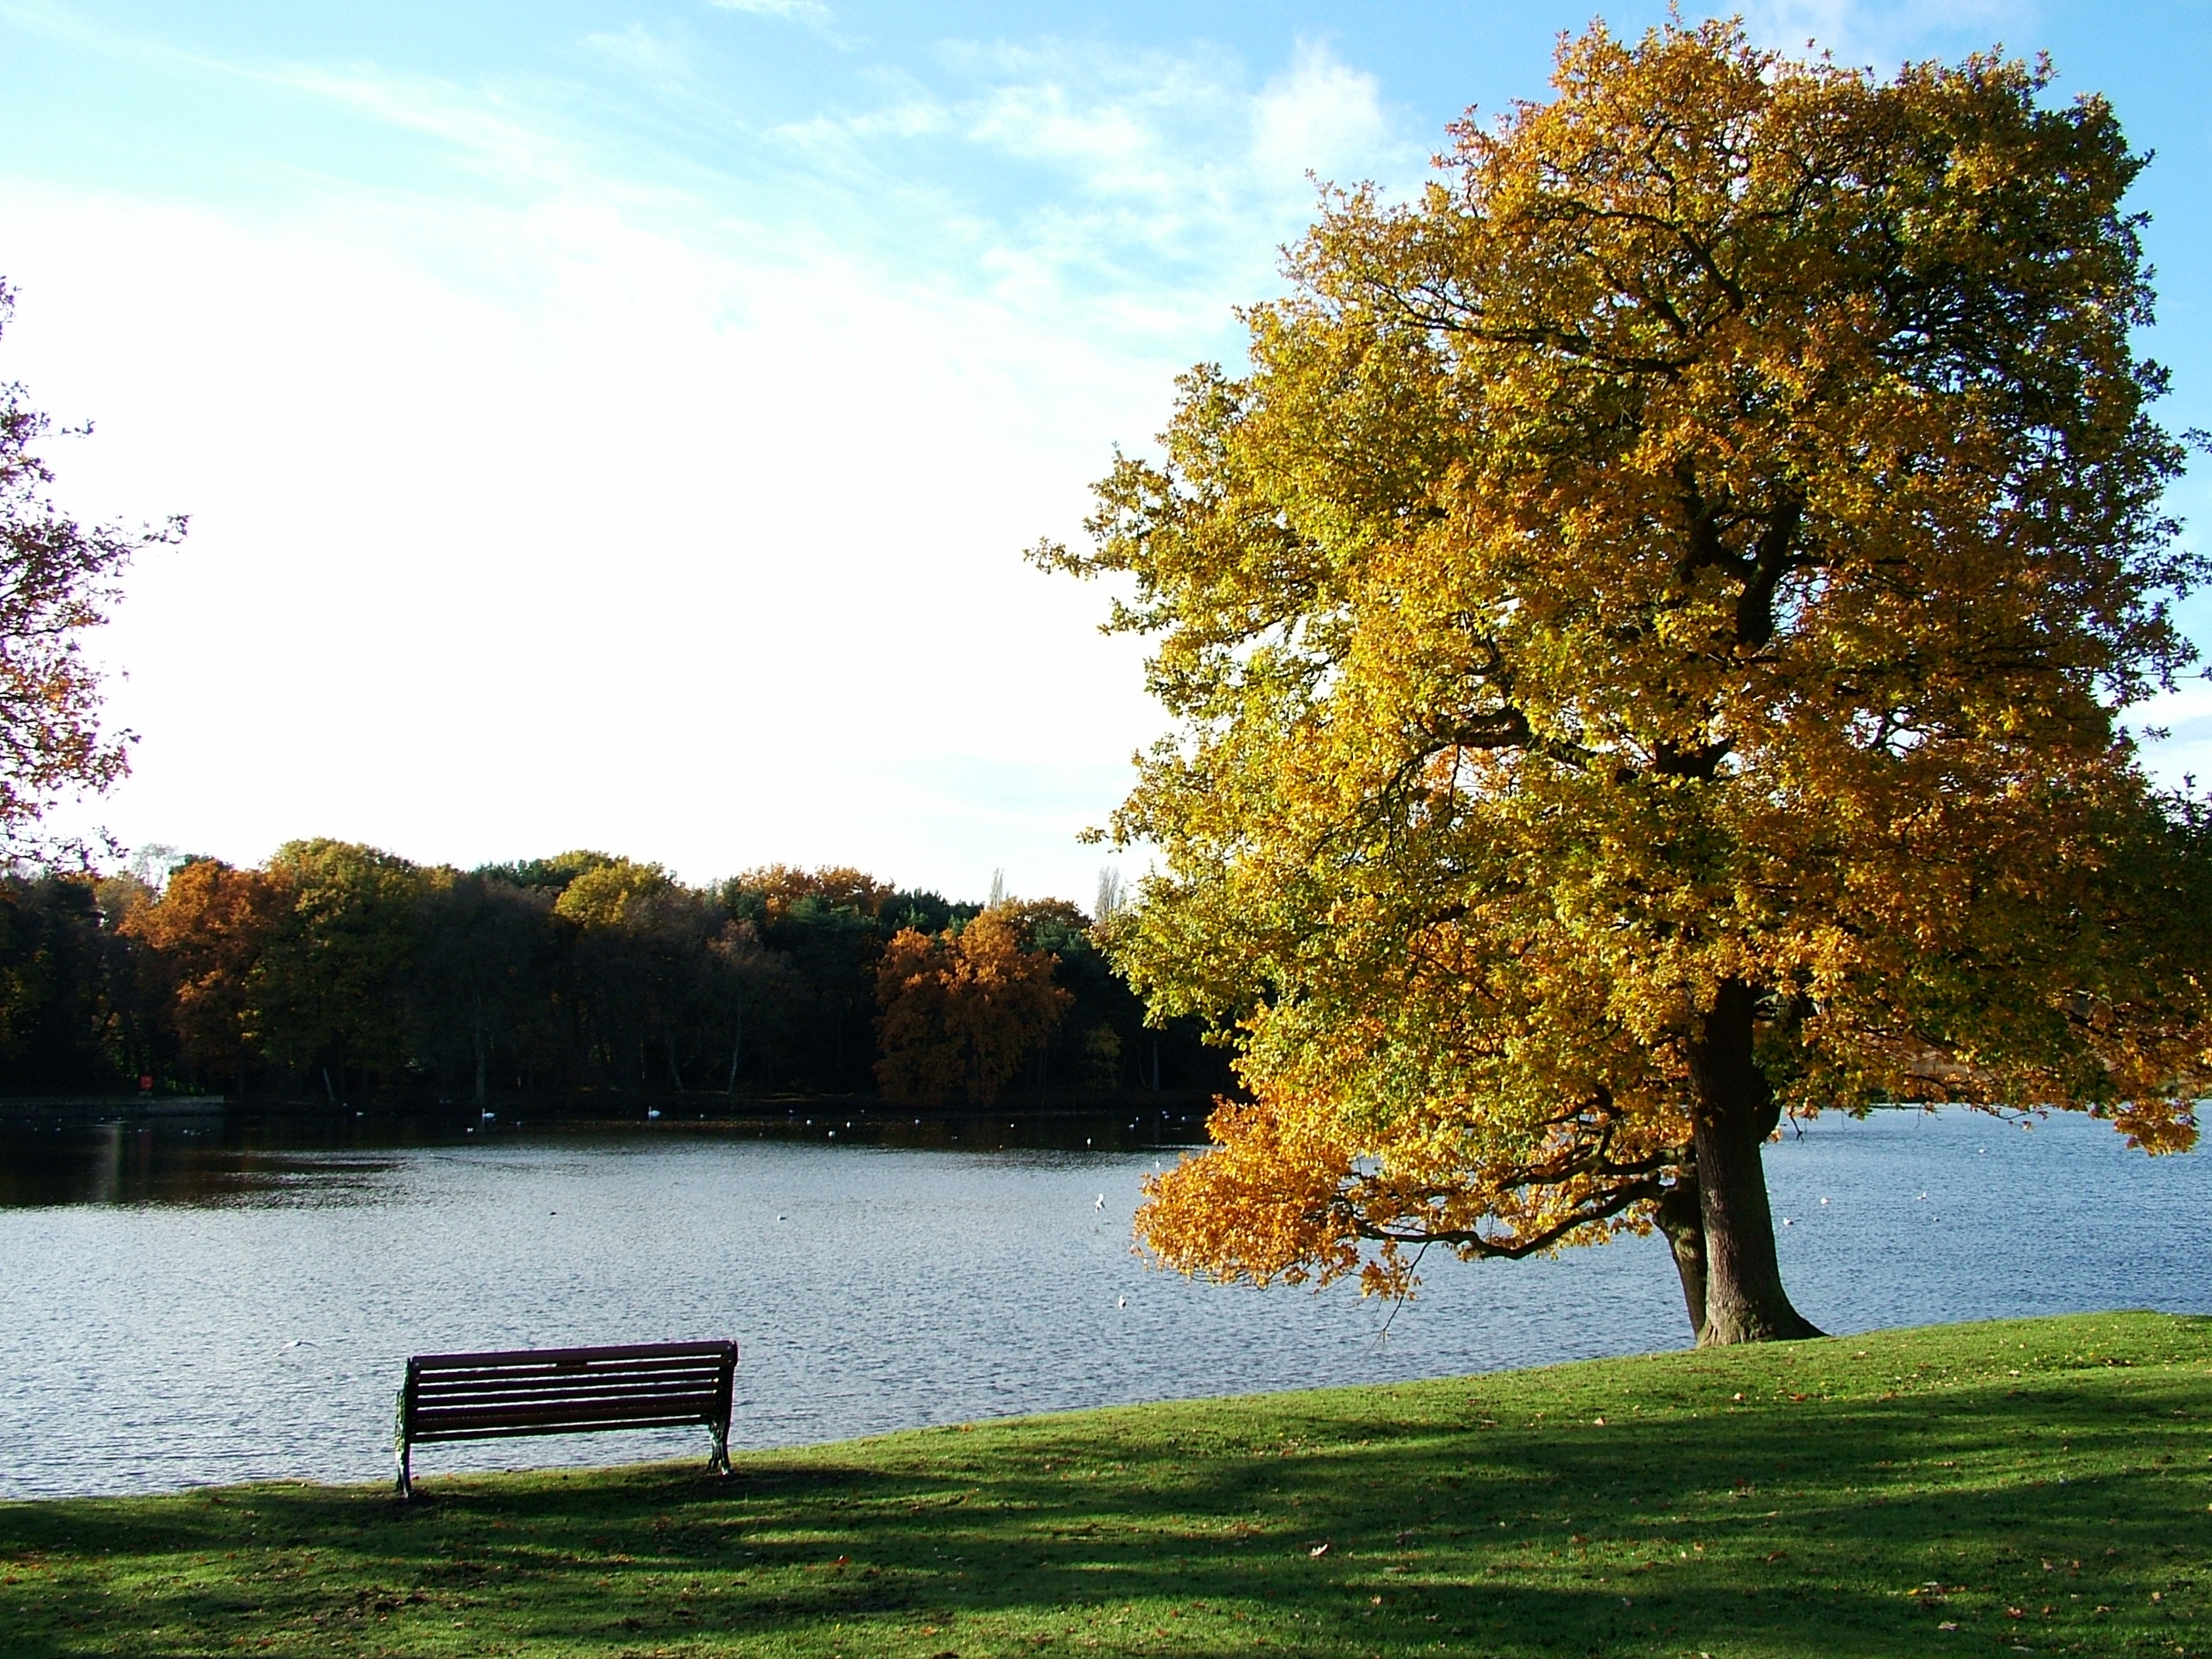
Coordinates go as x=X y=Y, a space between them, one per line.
x=1100 y=1204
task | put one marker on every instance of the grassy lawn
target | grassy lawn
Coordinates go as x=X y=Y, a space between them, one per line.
x=2040 y=1486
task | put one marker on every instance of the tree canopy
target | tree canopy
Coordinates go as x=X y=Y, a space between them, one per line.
x=342 y=974
x=1644 y=637
x=963 y=1009
x=57 y=580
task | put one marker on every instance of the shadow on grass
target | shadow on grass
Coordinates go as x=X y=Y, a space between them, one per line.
x=1441 y=1517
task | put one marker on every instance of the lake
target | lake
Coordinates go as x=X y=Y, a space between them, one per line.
x=188 y=1305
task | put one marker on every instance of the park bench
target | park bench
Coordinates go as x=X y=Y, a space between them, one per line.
x=491 y=1396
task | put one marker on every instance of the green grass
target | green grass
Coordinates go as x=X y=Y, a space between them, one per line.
x=2040 y=1485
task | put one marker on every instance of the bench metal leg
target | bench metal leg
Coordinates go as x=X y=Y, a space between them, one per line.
x=719 y=1461
x=403 y=1449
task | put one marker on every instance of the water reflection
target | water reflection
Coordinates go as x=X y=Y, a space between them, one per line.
x=207 y=1301
x=190 y=1165
x=312 y=1158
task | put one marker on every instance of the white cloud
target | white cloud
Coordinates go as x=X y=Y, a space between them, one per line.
x=2184 y=715
x=1158 y=187
x=812 y=13
x=652 y=509
x=709 y=559
x=485 y=125
x=1179 y=130
x=654 y=57
x=853 y=146
x=1883 y=33
x=1322 y=116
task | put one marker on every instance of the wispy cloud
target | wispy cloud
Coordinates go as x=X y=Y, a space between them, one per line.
x=651 y=380
x=1157 y=184
x=1884 y=33
x=1323 y=115
x=1150 y=187
x=643 y=53
x=796 y=11
x=494 y=127
x=808 y=14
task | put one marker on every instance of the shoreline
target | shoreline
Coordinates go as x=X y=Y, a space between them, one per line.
x=2042 y=1481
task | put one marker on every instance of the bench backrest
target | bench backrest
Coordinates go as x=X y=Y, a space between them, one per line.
x=481 y=1396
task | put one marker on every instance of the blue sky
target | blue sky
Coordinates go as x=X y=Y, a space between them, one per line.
x=618 y=424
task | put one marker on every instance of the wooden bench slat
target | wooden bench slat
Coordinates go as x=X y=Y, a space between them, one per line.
x=561 y=1356
x=441 y=1379
x=697 y=1399
x=429 y=1389
x=611 y=1411
x=668 y=1399
x=520 y=1389
x=526 y=1430
x=462 y=1423
x=577 y=1368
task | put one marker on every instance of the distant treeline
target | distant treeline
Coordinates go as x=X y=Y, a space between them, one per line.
x=336 y=972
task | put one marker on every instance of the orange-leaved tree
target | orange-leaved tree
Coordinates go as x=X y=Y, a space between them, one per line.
x=1646 y=634
x=833 y=887
x=206 y=932
x=961 y=1010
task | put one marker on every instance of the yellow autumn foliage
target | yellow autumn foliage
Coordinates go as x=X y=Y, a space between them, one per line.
x=1645 y=638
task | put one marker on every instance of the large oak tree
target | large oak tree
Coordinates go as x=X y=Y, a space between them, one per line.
x=1645 y=638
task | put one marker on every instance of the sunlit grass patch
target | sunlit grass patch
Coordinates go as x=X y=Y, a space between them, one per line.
x=1970 y=1489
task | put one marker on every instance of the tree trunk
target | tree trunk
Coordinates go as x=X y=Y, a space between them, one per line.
x=737 y=1047
x=1681 y=1219
x=1744 y=1298
x=482 y=1059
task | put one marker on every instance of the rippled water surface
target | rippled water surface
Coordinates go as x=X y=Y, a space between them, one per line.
x=180 y=1311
